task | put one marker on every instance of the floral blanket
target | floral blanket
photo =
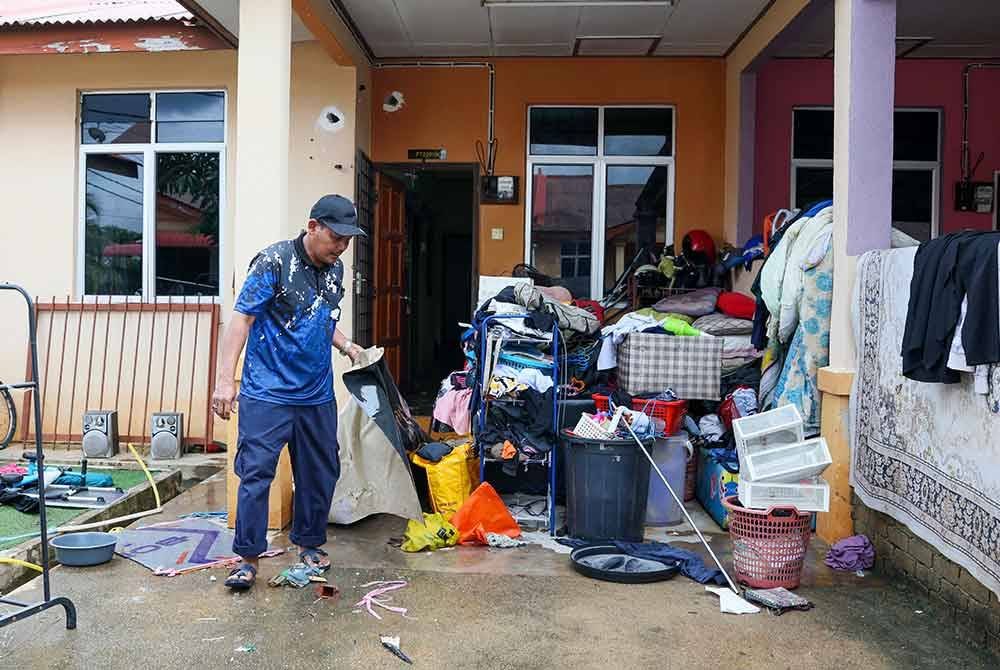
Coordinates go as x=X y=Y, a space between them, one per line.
x=927 y=455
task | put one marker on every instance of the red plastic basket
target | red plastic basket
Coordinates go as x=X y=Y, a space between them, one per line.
x=671 y=412
x=769 y=546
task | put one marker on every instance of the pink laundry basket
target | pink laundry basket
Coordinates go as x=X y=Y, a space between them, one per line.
x=769 y=546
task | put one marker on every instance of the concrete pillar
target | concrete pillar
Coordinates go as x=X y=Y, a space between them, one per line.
x=262 y=112
x=864 y=91
x=263 y=80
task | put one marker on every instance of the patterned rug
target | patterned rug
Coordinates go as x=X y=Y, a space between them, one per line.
x=927 y=455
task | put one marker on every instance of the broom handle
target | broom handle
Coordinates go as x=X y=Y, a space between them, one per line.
x=681 y=505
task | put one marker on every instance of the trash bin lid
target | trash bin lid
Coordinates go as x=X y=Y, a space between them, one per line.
x=609 y=563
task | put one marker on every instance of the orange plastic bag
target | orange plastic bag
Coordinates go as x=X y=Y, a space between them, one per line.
x=484 y=512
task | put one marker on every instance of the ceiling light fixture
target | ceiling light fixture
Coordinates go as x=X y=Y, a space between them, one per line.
x=493 y=4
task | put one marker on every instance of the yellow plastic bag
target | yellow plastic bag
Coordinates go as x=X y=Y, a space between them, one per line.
x=452 y=479
x=434 y=533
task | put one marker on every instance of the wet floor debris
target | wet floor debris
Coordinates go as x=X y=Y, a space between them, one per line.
x=378 y=597
x=391 y=643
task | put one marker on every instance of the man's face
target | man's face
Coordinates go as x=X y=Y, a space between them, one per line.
x=327 y=246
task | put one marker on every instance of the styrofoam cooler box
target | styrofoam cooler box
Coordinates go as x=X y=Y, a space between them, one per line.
x=810 y=495
x=767 y=430
x=790 y=463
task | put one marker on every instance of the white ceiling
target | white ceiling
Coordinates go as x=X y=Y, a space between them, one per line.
x=453 y=28
x=966 y=29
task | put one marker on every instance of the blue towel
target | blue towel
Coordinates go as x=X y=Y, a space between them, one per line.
x=66 y=479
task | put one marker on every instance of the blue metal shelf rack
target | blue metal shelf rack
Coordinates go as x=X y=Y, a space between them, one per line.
x=550 y=458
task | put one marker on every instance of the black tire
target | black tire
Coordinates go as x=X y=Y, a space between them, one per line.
x=618 y=577
x=8 y=418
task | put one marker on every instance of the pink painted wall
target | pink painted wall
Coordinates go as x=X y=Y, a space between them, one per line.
x=785 y=84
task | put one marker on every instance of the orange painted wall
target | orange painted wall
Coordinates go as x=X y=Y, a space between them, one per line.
x=446 y=108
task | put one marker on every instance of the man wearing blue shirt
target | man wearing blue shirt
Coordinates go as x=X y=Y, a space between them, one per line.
x=286 y=315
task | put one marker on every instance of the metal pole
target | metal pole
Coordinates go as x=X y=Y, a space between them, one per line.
x=680 y=504
x=76 y=369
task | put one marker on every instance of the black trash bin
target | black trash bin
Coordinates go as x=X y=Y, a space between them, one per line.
x=607 y=485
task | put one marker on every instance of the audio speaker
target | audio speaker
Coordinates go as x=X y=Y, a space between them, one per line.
x=168 y=436
x=100 y=433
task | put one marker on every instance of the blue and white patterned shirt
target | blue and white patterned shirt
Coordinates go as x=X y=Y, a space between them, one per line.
x=296 y=305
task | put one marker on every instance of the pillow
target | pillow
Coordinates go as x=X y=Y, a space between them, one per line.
x=720 y=324
x=738 y=305
x=692 y=303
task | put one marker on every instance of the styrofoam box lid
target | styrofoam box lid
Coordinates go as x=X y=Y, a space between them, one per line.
x=784 y=417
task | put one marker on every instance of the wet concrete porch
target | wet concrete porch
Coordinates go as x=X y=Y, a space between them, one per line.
x=469 y=608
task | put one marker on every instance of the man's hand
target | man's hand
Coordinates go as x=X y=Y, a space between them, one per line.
x=355 y=353
x=223 y=398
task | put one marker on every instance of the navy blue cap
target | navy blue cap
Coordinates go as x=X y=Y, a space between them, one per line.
x=338 y=214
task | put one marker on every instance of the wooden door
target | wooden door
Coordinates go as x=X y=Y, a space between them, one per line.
x=391 y=300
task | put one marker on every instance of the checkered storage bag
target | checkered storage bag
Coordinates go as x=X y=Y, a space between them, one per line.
x=691 y=366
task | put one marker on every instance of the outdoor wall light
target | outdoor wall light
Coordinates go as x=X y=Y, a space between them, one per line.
x=393 y=102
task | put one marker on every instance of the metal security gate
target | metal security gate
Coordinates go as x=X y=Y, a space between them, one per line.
x=364 y=262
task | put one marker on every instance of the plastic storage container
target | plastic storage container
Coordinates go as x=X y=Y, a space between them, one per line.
x=769 y=548
x=809 y=495
x=671 y=455
x=607 y=486
x=767 y=430
x=791 y=463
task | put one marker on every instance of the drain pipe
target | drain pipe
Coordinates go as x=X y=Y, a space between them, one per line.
x=491 y=71
x=966 y=171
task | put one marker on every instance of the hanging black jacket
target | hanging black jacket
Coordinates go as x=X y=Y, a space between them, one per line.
x=947 y=270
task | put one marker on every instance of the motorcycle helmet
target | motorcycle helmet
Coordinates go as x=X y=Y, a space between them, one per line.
x=699 y=248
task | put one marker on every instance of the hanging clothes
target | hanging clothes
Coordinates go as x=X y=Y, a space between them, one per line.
x=947 y=270
x=810 y=346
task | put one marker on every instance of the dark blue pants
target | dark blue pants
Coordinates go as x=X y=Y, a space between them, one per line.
x=311 y=435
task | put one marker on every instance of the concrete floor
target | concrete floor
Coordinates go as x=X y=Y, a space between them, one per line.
x=469 y=608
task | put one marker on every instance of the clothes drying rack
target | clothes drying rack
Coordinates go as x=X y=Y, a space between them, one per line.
x=25 y=610
x=549 y=459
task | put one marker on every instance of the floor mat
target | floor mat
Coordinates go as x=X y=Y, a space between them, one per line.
x=179 y=545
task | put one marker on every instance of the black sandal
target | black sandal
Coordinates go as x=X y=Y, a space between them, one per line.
x=242 y=578
x=314 y=559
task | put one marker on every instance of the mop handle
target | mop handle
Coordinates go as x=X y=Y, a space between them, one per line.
x=681 y=505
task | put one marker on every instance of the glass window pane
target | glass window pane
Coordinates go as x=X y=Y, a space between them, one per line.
x=113 y=237
x=115 y=118
x=562 y=214
x=187 y=223
x=812 y=184
x=190 y=117
x=638 y=132
x=915 y=136
x=635 y=209
x=813 y=134
x=563 y=131
x=913 y=202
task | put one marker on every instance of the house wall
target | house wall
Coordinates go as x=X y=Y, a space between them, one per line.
x=949 y=593
x=447 y=108
x=785 y=84
x=39 y=173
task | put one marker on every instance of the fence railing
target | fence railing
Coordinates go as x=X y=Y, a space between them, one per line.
x=131 y=356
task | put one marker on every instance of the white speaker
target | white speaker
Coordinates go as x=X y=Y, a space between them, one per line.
x=100 y=433
x=167 y=429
